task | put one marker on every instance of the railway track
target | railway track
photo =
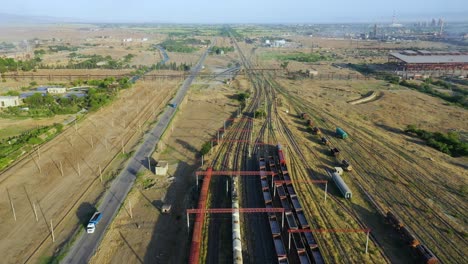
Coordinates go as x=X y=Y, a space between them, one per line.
x=389 y=194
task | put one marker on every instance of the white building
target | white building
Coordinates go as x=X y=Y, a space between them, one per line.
x=279 y=43
x=162 y=167
x=7 y=101
x=56 y=90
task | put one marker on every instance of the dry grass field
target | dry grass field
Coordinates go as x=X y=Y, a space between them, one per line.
x=67 y=198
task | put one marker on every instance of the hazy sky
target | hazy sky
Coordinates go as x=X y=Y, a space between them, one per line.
x=233 y=11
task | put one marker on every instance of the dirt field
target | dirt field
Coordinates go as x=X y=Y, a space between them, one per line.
x=152 y=237
x=13 y=127
x=66 y=200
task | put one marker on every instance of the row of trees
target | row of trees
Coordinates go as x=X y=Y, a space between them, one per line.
x=459 y=98
x=172 y=66
x=217 y=50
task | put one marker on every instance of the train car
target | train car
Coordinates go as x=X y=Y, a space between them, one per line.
x=303 y=257
x=265 y=186
x=302 y=220
x=341 y=133
x=316 y=131
x=280 y=250
x=304 y=115
x=296 y=204
x=262 y=164
x=297 y=240
x=270 y=215
x=267 y=197
x=325 y=141
x=285 y=204
x=426 y=256
x=291 y=191
x=291 y=220
x=310 y=240
x=263 y=175
x=286 y=176
x=335 y=152
x=281 y=156
x=393 y=220
x=281 y=192
x=317 y=256
x=275 y=228
x=344 y=189
x=408 y=237
x=310 y=122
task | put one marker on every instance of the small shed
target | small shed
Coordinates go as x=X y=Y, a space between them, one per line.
x=7 y=101
x=311 y=73
x=162 y=167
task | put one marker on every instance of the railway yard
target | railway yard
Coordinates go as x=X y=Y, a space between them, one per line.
x=268 y=162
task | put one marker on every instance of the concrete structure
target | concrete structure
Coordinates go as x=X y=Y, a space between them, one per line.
x=56 y=90
x=162 y=167
x=7 y=101
x=312 y=73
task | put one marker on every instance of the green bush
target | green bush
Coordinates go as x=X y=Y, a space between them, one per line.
x=205 y=149
x=449 y=143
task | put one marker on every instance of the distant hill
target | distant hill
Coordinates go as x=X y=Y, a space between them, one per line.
x=12 y=19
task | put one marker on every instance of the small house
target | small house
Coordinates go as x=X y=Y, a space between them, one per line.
x=7 y=101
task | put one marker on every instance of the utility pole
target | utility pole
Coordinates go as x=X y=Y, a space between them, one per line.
x=35 y=212
x=367 y=241
x=52 y=230
x=130 y=207
x=100 y=173
x=61 y=168
x=11 y=204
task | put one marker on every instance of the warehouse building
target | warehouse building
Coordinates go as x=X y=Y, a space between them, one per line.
x=432 y=63
x=7 y=101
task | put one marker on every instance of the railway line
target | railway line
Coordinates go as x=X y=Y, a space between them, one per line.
x=387 y=166
x=233 y=155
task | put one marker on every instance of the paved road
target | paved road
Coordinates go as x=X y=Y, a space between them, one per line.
x=84 y=248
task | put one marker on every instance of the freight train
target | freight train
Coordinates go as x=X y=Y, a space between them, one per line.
x=424 y=254
x=281 y=157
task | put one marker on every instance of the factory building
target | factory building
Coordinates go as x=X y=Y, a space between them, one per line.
x=433 y=63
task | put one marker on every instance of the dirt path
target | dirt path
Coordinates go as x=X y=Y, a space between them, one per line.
x=37 y=181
